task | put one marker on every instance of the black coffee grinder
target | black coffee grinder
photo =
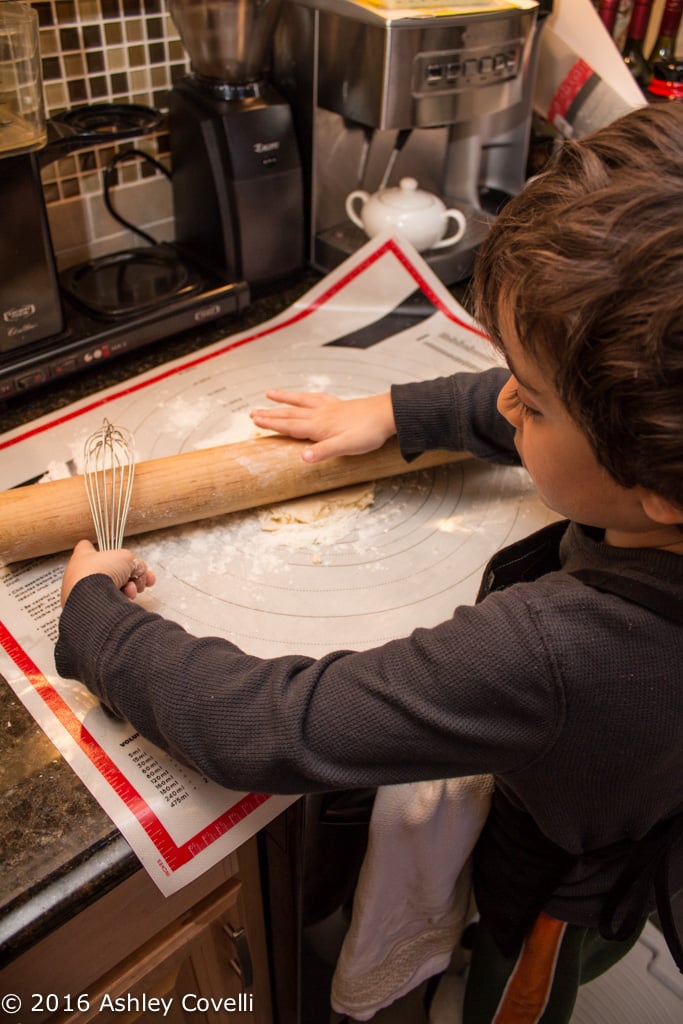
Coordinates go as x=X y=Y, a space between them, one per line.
x=237 y=180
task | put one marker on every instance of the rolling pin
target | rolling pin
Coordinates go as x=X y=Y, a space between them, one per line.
x=42 y=519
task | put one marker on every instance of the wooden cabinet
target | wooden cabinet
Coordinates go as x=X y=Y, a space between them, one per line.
x=198 y=956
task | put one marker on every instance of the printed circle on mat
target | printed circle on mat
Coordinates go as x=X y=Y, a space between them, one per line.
x=352 y=580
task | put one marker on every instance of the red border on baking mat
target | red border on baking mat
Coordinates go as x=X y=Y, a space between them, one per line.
x=174 y=856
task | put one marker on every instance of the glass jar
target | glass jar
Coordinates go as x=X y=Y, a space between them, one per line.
x=22 y=112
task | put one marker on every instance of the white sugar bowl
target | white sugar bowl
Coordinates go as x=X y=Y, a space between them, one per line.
x=419 y=216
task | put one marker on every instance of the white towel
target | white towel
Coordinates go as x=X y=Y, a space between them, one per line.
x=414 y=891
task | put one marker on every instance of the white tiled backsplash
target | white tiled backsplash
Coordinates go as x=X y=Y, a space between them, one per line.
x=107 y=51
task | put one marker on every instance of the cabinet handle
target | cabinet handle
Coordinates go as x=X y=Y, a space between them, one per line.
x=241 y=963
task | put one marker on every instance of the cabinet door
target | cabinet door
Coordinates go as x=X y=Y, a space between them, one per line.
x=196 y=949
x=196 y=970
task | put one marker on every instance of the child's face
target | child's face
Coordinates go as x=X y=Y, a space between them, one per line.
x=557 y=455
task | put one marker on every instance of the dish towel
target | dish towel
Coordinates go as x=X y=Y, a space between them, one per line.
x=413 y=895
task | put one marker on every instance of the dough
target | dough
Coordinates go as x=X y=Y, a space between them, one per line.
x=316 y=509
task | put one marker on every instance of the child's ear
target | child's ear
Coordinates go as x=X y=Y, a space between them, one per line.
x=659 y=509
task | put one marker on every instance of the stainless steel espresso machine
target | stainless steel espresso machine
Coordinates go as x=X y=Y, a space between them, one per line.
x=385 y=92
x=237 y=180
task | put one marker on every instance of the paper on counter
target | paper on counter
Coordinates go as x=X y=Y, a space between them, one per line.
x=578 y=23
x=574 y=48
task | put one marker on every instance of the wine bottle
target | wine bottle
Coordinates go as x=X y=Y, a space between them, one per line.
x=608 y=10
x=632 y=52
x=665 y=43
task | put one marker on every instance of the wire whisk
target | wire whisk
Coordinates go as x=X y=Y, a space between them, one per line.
x=108 y=470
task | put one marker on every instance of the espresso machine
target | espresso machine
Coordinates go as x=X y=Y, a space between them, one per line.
x=388 y=92
x=237 y=178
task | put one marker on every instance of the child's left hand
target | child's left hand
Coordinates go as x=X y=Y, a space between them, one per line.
x=130 y=574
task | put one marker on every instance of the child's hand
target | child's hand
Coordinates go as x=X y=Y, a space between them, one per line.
x=349 y=427
x=130 y=574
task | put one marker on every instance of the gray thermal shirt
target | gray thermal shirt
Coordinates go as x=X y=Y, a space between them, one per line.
x=571 y=698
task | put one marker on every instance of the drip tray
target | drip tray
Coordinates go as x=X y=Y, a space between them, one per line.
x=130 y=282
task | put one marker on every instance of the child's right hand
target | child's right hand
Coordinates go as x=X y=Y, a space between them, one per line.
x=130 y=574
x=336 y=427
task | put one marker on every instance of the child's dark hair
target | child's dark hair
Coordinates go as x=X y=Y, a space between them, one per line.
x=590 y=255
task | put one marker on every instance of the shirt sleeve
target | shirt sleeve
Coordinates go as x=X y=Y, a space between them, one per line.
x=474 y=694
x=457 y=413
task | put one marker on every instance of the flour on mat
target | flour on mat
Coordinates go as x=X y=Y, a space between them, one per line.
x=187 y=414
x=263 y=536
x=302 y=522
x=218 y=546
x=240 y=427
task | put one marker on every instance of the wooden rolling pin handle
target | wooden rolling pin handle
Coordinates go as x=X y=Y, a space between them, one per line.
x=42 y=519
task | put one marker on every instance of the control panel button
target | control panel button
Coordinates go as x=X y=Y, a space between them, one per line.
x=456 y=70
x=66 y=366
x=31 y=380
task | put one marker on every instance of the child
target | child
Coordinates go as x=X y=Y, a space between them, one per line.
x=564 y=681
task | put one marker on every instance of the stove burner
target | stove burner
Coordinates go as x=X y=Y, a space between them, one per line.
x=130 y=282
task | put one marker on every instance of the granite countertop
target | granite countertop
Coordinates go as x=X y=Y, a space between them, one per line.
x=59 y=849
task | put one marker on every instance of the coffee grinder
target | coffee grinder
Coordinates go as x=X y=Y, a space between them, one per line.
x=237 y=179
x=382 y=92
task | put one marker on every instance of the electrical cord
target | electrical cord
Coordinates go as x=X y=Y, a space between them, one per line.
x=109 y=181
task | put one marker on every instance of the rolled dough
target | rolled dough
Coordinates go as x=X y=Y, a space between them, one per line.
x=316 y=509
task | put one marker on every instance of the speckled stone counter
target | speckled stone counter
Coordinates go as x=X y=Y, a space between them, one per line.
x=58 y=848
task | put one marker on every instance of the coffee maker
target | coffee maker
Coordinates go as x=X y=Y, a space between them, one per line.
x=237 y=179
x=57 y=323
x=29 y=296
x=382 y=93
x=53 y=324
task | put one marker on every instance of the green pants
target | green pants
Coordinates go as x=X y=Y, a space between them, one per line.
x=540 y=985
